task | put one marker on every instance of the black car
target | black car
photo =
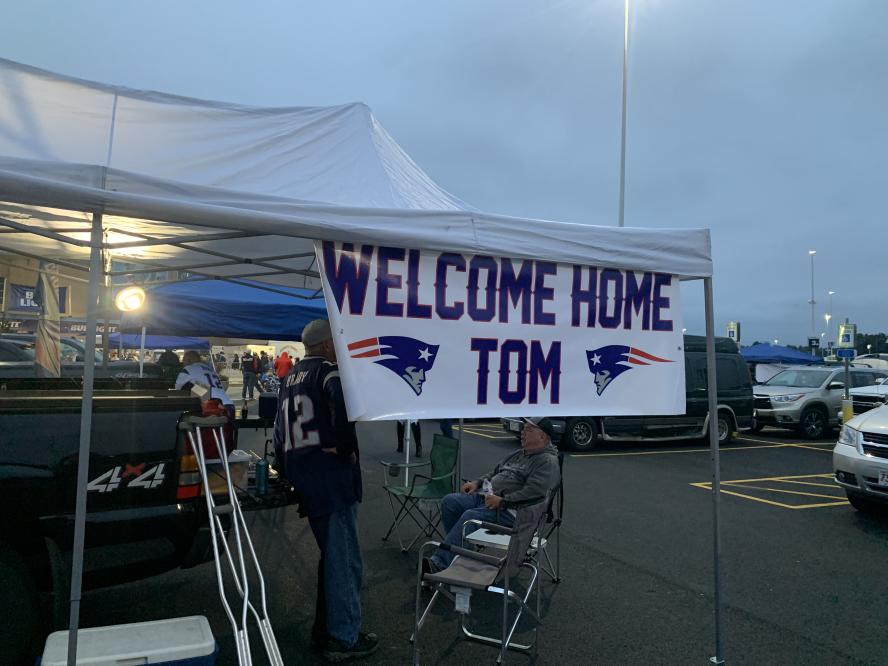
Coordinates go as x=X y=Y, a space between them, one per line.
x=17 y=360
x=735 y=405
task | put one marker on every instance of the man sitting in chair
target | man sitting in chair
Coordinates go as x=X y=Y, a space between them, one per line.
x=526 y=475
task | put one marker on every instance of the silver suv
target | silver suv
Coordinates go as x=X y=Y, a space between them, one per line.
x=807 y=398
x=860 y=460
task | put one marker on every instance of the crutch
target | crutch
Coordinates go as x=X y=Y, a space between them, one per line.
x=193 y=427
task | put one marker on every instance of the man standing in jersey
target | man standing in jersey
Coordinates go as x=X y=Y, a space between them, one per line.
x=317 y=449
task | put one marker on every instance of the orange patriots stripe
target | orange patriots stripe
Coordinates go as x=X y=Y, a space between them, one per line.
x=372 y=352
x=638 y=361
x=363 y=343
x=650 y=357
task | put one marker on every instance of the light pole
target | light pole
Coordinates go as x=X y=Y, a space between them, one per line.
x=623 y=121
x=811 y=254
x=831 y=293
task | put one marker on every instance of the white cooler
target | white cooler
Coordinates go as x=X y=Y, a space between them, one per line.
x=181 y=641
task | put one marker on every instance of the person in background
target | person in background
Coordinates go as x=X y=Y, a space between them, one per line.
x=283 y=364
x=249 y=367
x=263 y=362
x=235 y=362
x=195 y=371
x=169 y=364
x=317 y=448
x=415 y=434
x=446 y=426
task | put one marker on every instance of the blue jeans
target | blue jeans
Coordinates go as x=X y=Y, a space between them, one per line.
x=249 y=385
x=456 y=509
x=338 y=607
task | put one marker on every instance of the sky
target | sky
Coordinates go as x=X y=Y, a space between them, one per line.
x=766 y=122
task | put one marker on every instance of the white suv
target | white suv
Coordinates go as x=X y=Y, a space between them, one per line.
x=860 y=459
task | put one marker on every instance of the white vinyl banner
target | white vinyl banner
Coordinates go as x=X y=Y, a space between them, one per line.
x=422 y=334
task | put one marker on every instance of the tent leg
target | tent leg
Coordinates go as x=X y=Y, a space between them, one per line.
x=89 y=363
x=711 y=388
x=458 y=481
x=142 y=355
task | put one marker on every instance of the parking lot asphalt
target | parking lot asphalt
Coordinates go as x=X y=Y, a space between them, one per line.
x=802 y=571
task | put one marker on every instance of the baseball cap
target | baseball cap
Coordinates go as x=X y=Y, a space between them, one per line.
x=542 y=423
x=316 y=332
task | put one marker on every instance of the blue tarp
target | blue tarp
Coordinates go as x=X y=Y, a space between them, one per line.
x=226 y=310
x=767 y=353
x=134 y=341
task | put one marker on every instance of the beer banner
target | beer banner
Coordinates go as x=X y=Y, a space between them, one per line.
x=425 y=334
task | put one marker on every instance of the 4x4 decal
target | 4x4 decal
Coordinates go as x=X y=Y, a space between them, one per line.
x=116 y=477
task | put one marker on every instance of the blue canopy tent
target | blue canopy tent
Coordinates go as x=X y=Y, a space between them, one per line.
x=134 y=341
x=226 y=310
x=768 y=353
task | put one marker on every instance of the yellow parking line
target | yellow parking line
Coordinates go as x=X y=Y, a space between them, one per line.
x=778 y=490
x=814 y=447
x=809 y=483
x=485 y=435
x=655 y=453
x=782 y=505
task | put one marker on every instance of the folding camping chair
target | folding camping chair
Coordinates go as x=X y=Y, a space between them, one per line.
x=429 y=489
x=554 y=516
x=494 y=573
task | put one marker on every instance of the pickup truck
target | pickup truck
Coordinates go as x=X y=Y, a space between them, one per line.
x=145 y=513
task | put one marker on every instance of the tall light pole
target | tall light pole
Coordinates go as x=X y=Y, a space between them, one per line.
x=811 y=253
x=830 y=292
x=623 y=123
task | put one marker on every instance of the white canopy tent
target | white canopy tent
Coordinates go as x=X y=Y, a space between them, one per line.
x=91 y=172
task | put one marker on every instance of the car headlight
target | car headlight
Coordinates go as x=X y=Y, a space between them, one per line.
x=849 y=436
x=792 y=397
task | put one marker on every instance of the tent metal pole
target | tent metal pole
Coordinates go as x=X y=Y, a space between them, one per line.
x=89 y=363
x=142 y=355
x=711 y=389
x=459 y=458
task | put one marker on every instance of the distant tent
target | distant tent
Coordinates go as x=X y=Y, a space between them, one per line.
x=134 y=341
x=767 y=353
x=222 y=309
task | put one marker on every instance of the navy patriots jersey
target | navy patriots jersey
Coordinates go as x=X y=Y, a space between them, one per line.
x=311 y=410
x=311 y=417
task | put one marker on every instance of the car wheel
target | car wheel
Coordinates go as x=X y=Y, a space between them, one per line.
x=21 y=609
x=725 y=428
x=813 y=423
x=862 y=504
x=580 y=434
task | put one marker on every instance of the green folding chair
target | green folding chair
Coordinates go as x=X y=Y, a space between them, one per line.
x=420 y=498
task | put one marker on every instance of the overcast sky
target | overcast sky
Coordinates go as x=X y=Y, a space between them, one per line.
x=765 y=121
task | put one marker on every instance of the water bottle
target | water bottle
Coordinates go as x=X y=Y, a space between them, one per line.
x=262 y=476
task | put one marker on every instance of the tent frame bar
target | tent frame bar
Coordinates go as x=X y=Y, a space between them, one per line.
x=52 y=235
x=95 y=276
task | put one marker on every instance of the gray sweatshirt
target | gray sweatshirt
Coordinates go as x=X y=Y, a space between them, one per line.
x=521 y=476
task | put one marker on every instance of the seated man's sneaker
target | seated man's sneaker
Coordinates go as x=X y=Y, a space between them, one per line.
x=336 y=652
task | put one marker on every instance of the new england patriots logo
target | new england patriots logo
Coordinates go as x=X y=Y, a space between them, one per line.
x=408 y=358
x=608 y=363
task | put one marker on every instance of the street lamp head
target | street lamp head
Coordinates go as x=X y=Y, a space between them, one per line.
x=129 y=299
x=812 y=252
x=831 y=292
